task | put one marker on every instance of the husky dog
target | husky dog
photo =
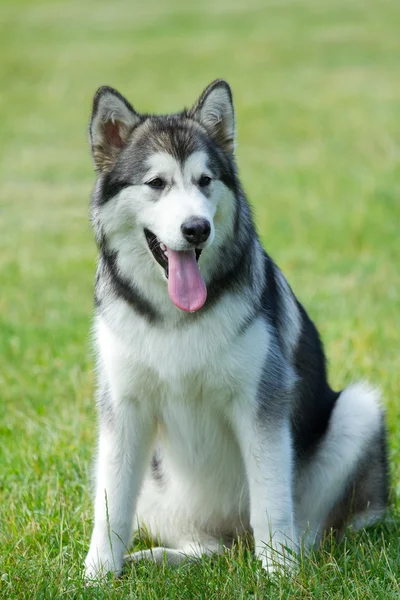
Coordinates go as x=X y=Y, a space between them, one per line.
x=215 y=414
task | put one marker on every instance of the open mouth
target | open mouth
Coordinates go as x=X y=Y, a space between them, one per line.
x=160 y=250
x=186 y=286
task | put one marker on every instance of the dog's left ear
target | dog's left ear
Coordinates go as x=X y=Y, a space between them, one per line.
x=112 y=121
x=214 y=110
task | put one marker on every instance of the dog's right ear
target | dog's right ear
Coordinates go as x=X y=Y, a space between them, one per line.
x=113 y=119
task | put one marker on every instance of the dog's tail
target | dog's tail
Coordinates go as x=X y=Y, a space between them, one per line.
x=347 y=478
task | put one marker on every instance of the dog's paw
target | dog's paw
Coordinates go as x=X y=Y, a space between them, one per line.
x=278 y=559
x=98 y=566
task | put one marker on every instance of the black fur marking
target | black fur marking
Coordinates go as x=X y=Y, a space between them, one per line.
x=312 y=411
x=127 y=291
x=269 y=297
x=231 y=278
x=236 y=223
x=272 y=301
x=110 y=187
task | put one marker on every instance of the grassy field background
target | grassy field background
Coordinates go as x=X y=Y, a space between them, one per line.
x=317 y=93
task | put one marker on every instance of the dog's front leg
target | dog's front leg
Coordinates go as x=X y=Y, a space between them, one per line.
x=124 y=444
x=266 y=447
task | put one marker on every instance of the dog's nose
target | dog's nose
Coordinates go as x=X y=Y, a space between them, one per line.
x=196 y=230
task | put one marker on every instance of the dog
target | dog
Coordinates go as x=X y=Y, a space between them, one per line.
x=215 y=415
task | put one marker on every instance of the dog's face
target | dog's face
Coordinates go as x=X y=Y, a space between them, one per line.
x=166 y=184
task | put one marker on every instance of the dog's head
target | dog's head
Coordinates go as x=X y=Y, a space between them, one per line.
x=166 y=184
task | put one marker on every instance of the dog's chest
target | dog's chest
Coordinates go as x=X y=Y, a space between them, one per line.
x=188 y=364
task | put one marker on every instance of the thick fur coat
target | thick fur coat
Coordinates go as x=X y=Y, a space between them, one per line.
x=215 y=414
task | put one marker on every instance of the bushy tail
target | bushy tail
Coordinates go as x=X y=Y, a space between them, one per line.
x=355 y=430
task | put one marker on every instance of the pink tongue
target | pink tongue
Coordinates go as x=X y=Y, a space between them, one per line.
x=185 y=284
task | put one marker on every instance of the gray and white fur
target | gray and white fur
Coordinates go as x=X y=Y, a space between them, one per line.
x=221 y=421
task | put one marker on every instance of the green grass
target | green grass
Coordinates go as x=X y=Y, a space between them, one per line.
x=317 y=95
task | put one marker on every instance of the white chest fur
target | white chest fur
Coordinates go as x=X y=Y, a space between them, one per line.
x=156 y=364
x=188 y=380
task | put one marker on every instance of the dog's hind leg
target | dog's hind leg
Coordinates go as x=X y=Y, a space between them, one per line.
x=347 y=475
x=188 y=552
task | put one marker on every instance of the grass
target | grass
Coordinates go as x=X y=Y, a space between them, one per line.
x=317 y=97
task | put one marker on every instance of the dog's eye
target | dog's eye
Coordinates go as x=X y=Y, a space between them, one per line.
x=204 y=181
x=157 y=183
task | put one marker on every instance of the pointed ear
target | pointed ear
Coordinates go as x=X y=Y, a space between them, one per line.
x=214 y=110
x=113 y=119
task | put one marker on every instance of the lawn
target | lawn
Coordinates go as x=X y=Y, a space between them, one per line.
x=317 y=93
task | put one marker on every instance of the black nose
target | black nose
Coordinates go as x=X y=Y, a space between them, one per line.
x=196 y=230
